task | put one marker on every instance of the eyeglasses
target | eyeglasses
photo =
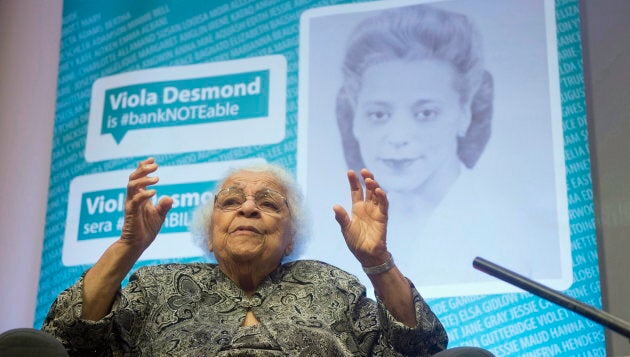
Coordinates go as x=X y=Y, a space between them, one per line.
x=232 y=198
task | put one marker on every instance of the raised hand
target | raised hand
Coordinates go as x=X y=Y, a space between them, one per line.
x=143 y=219
x=366 y=236
x=366 y=231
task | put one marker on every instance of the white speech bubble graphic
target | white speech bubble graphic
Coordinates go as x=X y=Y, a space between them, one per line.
x=190 y=127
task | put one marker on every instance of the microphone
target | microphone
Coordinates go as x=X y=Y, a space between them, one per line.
x=599 y=316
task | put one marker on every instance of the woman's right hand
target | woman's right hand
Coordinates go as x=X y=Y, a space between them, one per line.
x=143 y=219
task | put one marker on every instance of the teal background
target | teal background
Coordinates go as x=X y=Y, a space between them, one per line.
x=101 y=39
x=109 y=208
x=182 y=194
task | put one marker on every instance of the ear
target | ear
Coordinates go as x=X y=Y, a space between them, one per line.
x=289 y=247
x=209 y=233
x=464 y=121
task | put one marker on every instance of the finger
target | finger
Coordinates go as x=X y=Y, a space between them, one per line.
x=370 y=186
x=140 y=184
x=356 y=189
x=164 y=205
x=138 y=199
x=367 y=174
x=383 y=202
x=144 y=168
x=369 y=192
x=148 y=160
x=341 y=216
x=378 y=196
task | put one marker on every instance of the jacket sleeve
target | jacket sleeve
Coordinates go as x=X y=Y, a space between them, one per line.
x=114 y=333
x=425 y=339
x=380 y=334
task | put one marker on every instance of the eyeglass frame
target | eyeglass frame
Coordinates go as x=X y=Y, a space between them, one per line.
x=265 y=190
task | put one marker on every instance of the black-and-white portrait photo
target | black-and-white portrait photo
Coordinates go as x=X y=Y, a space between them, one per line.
x=456 y=111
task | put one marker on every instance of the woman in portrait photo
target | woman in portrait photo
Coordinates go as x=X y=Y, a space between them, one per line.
x=416 y=107
x=416 y=103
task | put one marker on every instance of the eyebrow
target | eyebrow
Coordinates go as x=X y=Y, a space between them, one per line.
x=256 y=192
x=377 y=102
x=418 y=102
x=423 y=102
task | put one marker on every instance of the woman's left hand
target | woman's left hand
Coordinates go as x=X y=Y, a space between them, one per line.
x=365 y=234
x=366 y=231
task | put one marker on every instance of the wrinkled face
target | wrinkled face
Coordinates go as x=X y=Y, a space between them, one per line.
x=407 y=120
x=249 y=234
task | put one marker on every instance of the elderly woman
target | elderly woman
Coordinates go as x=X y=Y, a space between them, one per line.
x=250 y=303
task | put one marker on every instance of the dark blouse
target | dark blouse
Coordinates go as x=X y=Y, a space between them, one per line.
x=305 y=308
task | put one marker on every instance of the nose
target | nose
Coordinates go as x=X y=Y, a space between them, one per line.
x=249 y=208
x=398 y=136
x=397 y=143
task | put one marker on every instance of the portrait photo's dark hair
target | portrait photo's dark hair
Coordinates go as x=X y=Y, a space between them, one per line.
x=411 y=33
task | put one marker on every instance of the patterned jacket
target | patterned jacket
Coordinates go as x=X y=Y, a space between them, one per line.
x=305 y=308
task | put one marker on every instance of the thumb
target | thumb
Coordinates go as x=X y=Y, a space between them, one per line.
x=164 y=205
x=341 y=216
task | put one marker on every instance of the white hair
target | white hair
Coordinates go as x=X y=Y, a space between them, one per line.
x=300 y=219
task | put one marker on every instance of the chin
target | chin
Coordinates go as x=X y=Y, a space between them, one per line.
x=404 y=184
x=244 y=250
x=243 y=257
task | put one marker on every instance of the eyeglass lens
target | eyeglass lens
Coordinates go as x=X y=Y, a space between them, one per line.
x=232 y=198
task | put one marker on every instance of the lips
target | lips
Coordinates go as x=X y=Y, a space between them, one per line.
x=246 y=229
x=398 y=164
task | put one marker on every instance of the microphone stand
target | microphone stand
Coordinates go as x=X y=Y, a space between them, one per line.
x=599 y=316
